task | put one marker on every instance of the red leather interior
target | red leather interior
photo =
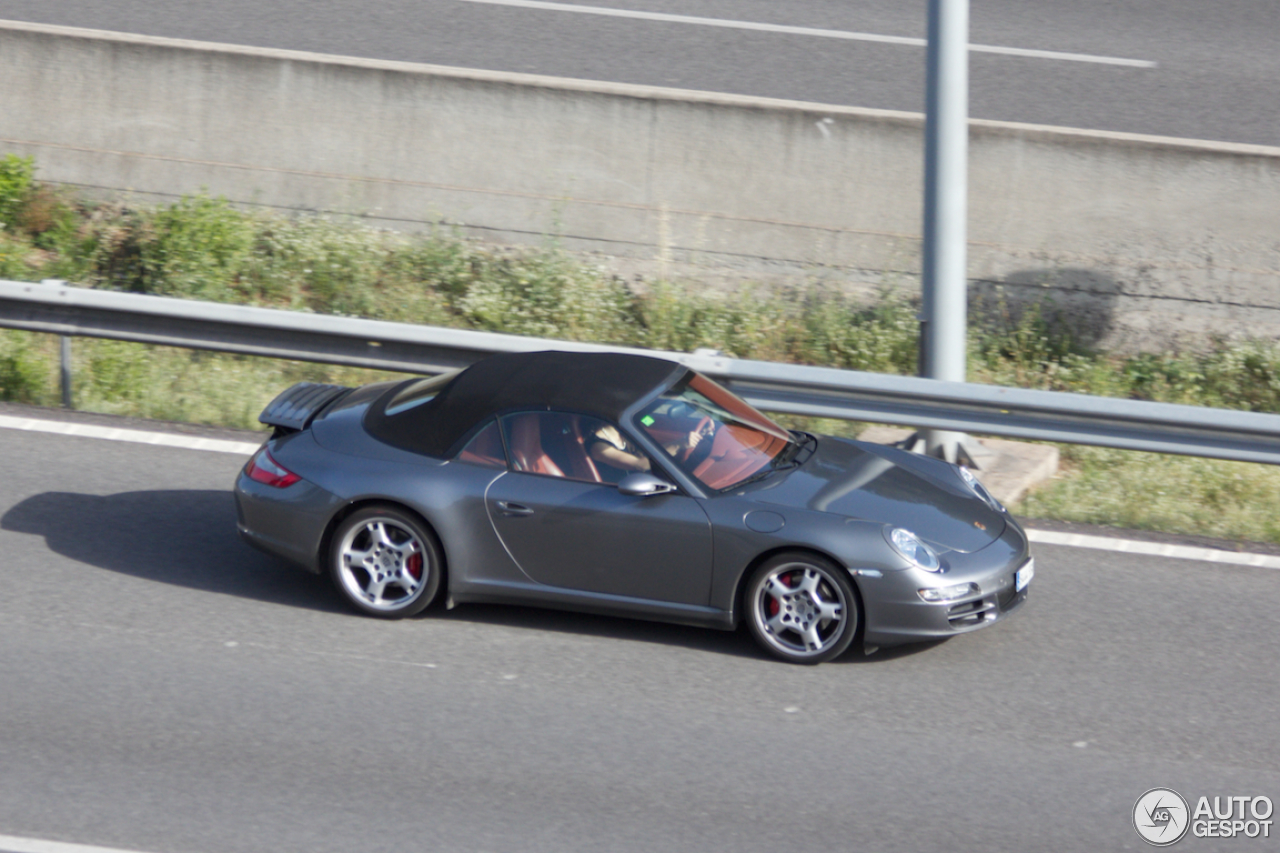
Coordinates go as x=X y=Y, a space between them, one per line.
x=526 y=447
x=578 y=454
x=485 y=448
x=553 y=443
x=728 y=460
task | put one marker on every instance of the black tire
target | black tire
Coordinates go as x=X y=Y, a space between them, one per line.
x=801 y=608
x=386 y=562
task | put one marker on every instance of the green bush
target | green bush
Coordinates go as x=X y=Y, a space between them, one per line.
x=883 y=337
x=17 y=175
x=52 y=221
x=197 y=248
x=15 y=255
x=545 y=294
x=24 y=368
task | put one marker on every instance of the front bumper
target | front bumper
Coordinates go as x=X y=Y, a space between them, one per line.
x=895 y=612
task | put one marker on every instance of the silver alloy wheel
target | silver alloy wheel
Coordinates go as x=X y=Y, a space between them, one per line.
x=383 y=563
x=800 y=610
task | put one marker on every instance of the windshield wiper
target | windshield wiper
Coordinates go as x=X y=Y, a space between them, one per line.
x=806 y=439
x=793 y=449
x=773 y=468
x=787 y=457
x=759 y=475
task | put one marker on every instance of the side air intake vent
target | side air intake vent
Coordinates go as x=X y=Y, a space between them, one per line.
x=297 y=405
x=971 y=613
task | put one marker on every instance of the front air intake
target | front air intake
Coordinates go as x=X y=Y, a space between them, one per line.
x=971 y=613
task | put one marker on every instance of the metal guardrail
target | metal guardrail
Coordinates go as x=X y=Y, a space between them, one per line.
x=57 y=308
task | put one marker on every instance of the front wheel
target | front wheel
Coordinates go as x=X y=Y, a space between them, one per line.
x=801 y=608
x=385 y=562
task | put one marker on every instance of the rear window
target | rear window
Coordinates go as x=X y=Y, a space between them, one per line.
x=419 y=393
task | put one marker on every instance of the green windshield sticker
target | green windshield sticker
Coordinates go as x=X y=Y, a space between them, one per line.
x=647 y=420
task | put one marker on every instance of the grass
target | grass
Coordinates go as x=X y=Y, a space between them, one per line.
x=1150 y=491
x=162 y=383
x=204 y=248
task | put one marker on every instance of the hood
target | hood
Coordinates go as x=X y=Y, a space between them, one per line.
x=871 y=482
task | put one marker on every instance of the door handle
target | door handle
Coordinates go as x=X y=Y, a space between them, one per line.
x=510 y=508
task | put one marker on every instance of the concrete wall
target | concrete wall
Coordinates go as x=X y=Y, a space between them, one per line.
x=1148 y=238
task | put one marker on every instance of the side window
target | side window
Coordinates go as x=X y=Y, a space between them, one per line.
x=611 y=453
x=485 y=448
x=559 y=444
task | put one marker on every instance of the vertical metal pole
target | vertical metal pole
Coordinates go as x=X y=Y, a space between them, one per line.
x=943 y=319
x=64 y=348
x=64 y=354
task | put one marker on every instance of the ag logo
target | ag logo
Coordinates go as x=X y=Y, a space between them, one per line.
x=1161 y=817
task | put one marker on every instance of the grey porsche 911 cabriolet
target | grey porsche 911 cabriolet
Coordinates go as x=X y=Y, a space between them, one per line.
x=631 y=486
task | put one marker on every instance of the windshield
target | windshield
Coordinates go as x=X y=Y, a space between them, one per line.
x=712 y=435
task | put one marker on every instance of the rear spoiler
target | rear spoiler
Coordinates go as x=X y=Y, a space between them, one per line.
x=297 y=406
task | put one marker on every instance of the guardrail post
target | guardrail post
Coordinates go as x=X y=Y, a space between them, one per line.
x=64 y=370
x=65 y=375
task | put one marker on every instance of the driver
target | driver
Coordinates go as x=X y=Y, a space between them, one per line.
x=609 y=446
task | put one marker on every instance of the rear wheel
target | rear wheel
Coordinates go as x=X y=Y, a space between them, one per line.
x=385 y=562
x=801 y=608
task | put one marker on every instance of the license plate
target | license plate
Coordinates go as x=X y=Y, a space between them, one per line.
x=1024 y=576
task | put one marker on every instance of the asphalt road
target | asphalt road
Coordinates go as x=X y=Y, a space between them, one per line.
x=164 y=688
x=1217 y=72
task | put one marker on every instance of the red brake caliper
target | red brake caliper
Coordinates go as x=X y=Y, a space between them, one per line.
x=773 y=602
x=414 y=565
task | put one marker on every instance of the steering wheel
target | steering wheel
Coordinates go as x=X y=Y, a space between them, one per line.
x=705 y=428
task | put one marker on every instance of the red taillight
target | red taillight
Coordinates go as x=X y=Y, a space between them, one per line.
x=263 y=469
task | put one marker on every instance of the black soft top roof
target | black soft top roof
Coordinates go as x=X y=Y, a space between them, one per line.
x=600 y=384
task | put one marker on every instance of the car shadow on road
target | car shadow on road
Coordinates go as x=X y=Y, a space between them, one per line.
x=737 y=643
x=182 y=537
x=858 y=654
x=733 y=643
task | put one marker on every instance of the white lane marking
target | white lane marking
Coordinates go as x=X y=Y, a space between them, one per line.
x=805 y=31
x=137 y=436
x=1156 y=549
x=14 y=844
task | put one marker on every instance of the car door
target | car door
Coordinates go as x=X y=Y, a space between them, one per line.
x=566 y=527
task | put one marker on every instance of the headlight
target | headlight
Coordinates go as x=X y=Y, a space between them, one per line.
x=979 y=489
x=948 y=593
x=909 y=546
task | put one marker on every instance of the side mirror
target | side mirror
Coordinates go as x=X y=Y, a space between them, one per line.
x=644 y=485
